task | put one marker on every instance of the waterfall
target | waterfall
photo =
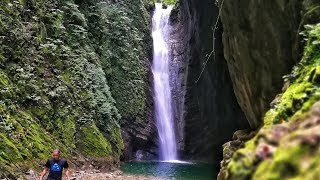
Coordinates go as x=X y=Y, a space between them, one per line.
x=162 y=92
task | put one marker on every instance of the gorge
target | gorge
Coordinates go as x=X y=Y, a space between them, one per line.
x=79 y=76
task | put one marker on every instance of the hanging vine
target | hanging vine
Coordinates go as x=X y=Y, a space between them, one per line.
x=213 y=43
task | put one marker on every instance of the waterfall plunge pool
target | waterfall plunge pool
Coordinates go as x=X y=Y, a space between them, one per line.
x=170 y=171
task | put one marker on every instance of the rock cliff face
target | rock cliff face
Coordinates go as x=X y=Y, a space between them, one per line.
x=260 y=47
x=54 y=92
x=264 y=36
x=71 y=73
x=211 y=111
x=287 y=146
x=261 y=44
x=122 y=37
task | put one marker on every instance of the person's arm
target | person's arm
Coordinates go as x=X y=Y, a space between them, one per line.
x=66 y=167
x=67 y=173
x=43 y=173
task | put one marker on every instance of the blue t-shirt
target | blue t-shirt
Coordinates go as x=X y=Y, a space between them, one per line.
x=56 y=167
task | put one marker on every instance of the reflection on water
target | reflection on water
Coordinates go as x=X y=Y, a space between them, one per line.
x=172 y=171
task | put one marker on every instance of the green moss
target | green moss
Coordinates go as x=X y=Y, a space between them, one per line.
x=65 y=130
x=170 y=2
x=167 y=2
x=117 y=141
x=66 y=68
x=27 y=138
x=127 y=59
x=2 y=59
x=292 y=101
x=4 y=81
x=122 y=31
x=293 y=158
x=66 y=76
x=93 y=143
x=241 y=166
x=59 y=64
x=269 y=117
x=304 y=84
x=8 y=150
x=285 y=164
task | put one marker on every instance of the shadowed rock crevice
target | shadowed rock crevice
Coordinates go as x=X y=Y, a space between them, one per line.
x=261 y=45
x=211 y=112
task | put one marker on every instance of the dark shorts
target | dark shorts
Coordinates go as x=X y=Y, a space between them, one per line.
x=54 y=178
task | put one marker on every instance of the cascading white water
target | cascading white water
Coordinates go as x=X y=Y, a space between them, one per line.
x=162 y=96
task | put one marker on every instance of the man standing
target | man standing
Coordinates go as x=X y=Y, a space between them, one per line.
x=56 y=166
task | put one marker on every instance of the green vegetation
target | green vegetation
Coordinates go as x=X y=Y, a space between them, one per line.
x=121 y=33
x=304 y=82
x=170 y=2
x=166 y=2
x=287 y=150
x=68 y=71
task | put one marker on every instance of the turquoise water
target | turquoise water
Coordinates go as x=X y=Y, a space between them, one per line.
x=172 y=171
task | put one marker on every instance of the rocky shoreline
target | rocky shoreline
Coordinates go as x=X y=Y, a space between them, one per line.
x=97 y=175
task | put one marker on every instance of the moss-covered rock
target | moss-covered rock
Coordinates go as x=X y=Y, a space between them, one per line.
x=302 y=83
x=120 y=34
x=261 y=45
x=68 y=71
x=287 y=146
